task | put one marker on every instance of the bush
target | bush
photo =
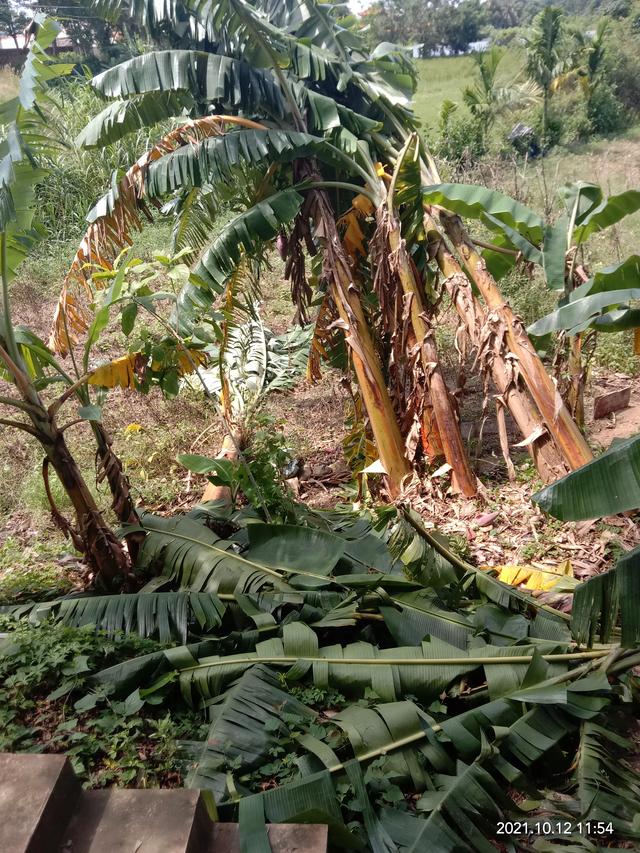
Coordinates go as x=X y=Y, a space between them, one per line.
x=623 y=65
x=45 y=668
x=604 y=111
x=550 y=136
x=78 y=178
x=461 y=140
x=529 y=298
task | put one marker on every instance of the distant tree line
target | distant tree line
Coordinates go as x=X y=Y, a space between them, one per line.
x=433 y=24
x=455 y=24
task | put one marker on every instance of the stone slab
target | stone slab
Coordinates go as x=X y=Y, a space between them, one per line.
x=283 y=837
x=37 y=796
x=122 y=820
x=612 y=401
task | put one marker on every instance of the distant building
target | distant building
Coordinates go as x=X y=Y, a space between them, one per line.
x=13 y=49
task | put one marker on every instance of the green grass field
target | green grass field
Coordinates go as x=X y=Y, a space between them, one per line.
x=444 y=78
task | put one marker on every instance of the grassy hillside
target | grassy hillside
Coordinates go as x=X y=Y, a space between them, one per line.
x=444 y=78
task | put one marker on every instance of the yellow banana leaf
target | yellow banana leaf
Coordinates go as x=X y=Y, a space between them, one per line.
x=353 y=239
x=535 y=579
x=122 y=372
x=119 y=373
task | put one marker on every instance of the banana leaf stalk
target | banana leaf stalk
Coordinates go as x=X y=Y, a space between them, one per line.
x=493 y=358
x=371 y=382
x=447 y=423
x=558 y=421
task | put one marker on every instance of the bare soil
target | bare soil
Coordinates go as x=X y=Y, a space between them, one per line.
x=149 y=432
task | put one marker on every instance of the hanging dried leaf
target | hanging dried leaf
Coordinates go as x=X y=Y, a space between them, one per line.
x=119 y=215
x=130 y=370
x=353 y=235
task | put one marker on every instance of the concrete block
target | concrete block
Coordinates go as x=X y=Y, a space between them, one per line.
x=283 y=837
x=38 y=794
x=121 y=820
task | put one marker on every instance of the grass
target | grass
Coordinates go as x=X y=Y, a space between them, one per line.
x=8 y=84
x=445 y=78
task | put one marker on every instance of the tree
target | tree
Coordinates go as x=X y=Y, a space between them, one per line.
x=546 y=55
x=460 y=24
x=89 y=33
x=13 y=20
x=26 y=361
x=486 y=99
x=329 y=166
x=432 y=24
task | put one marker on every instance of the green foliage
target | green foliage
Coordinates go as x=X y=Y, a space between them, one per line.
x=607 y=485
x=268 y=457
x=259 y=475
x=29 y=572
x=309 y=700
x=44 y=670
x=432 y=25
x=461 y=140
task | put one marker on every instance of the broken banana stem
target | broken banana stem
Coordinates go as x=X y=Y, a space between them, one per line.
x=561 y=426
x=539 y=444
x=455 y=453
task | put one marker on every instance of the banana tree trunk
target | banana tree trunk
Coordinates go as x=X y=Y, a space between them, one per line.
x=109 y=468
x=464 y=479
x=92 y=535
x=576 y=370
x=491 y=353
x=557 y=419
x=229 y=450
x=373 y=389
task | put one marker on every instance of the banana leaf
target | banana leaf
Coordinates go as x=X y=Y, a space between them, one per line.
x=607 y=485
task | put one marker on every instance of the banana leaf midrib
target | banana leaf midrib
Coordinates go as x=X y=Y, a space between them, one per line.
x=446 y=615
x=417 y=661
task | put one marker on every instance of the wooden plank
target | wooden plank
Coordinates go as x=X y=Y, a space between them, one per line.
x=611 y=401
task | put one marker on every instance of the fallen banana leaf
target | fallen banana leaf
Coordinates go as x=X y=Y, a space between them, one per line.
x=560 y=576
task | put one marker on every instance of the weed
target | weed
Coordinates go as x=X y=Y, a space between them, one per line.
x=32 y=571
x=320 y=698
x=615 y=353
x=41 y=666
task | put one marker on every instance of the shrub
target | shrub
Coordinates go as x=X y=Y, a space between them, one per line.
x=44 y=669
x=623 y=64
x=461 y=141
x=604 y=111
x=76 y=178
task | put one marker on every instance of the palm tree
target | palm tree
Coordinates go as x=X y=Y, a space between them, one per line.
x=546 y=55
x=283 y=103
x=486 y=99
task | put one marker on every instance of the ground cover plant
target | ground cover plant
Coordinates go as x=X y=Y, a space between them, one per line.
x=347 y=665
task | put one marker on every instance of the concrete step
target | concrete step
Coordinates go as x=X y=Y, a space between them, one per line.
x=38 y=794
x=283 y=838
x=44 y=810
x=121 y=820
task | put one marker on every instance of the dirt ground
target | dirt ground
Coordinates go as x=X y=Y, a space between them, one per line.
x=149 y=432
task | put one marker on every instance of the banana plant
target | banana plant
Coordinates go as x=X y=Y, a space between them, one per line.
x=285 y=104
x=600 y=302
x=452 y=691
x=27 y=363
